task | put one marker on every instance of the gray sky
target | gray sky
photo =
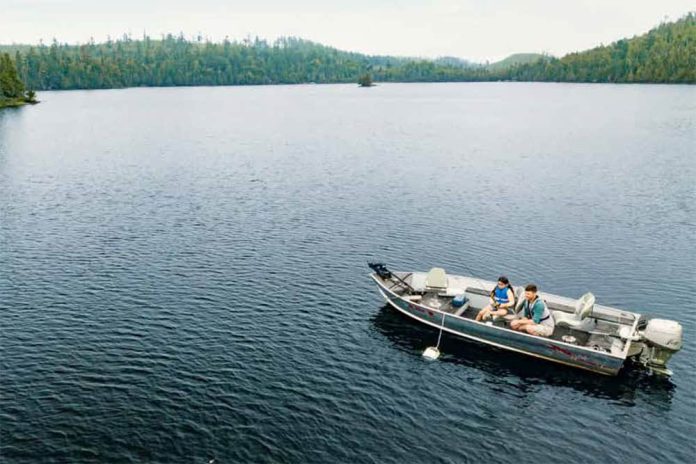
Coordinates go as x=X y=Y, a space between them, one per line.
x=474 y=29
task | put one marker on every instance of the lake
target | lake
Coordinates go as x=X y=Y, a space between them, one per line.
x=183 y=270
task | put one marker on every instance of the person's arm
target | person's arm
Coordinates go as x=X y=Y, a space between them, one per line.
x=511 y=300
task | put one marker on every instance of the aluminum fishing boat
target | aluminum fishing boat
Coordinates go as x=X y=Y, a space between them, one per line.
x=589 y=336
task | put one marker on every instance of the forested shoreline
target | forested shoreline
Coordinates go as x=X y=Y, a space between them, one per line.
x=666 y=54
x=176 y=61
x=12 y=89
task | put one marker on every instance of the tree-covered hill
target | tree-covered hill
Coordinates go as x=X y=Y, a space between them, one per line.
x=665 y=54
x=12 y=90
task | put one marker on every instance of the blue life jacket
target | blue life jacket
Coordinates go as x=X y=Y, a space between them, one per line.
x=500 y=295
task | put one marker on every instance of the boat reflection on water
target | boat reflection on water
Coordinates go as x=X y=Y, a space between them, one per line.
x=629 y=387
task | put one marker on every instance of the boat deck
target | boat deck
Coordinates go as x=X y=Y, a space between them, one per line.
x=603 y=336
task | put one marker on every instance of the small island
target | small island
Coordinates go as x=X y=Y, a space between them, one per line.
x=12 y=90
x=365 y=80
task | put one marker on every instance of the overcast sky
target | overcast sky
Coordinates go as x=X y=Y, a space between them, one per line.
x=474 y=29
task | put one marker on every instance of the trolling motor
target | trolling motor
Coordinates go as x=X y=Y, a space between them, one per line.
x=385 y=274
x=381 y=270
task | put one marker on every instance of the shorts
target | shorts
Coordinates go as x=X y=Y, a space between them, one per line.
x=543 y=330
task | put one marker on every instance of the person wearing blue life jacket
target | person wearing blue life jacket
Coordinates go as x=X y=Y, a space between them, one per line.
x=502 y=299
x=534 y=316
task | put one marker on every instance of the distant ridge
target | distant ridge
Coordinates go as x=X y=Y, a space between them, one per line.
x=454 y=61
x=515 y=59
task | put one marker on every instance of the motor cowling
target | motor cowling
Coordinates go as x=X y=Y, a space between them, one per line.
x=664 y=334
x=662 y=338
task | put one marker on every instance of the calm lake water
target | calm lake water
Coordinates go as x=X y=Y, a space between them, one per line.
x=183 y=278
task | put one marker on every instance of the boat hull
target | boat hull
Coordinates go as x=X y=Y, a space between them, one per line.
x=539 y=347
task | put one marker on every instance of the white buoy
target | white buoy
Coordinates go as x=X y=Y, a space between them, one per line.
x=433 y=352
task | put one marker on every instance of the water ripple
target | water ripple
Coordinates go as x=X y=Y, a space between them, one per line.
x=183 y=285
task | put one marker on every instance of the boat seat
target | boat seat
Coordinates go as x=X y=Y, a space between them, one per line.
x=436 y=279
x=579 y=319
x=519 y=297
x=418 y=281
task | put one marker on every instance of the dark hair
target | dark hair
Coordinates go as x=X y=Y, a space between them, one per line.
x=530 y=288
x=504 y=280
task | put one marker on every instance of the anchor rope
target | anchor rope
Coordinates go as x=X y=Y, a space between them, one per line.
x=442 y=326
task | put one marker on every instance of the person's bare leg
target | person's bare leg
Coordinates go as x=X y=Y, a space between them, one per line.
x=500 y=312
x=483 y=313
x=521 y=324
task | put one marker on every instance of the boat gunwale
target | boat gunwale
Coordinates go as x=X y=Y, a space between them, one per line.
x=534 y=337
x=610 y=373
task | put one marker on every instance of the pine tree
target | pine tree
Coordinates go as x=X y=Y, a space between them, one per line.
x=12 y=89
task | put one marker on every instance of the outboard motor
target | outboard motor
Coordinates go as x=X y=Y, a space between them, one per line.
x=661 y=338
